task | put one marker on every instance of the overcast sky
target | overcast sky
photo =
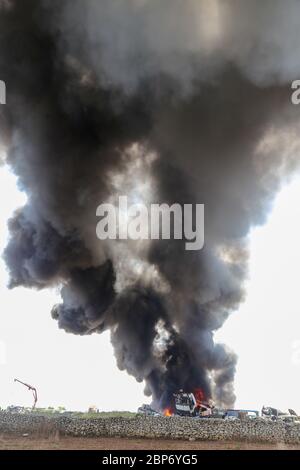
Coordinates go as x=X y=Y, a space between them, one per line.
x=77 y=372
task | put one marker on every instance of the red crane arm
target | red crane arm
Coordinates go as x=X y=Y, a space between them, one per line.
x=33 y=389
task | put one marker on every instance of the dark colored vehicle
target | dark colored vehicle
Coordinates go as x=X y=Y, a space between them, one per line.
x=147 y=410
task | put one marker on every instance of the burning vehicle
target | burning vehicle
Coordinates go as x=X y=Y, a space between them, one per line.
x=195 y=405
x=192 y=404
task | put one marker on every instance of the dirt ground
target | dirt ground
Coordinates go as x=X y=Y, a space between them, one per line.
x=69 y=443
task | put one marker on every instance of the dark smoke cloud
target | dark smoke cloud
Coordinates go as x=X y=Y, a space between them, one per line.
x=170 y=101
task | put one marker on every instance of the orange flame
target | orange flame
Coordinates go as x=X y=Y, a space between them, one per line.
x=199 y=395
x=168 y=412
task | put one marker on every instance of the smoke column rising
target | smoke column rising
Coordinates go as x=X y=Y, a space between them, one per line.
x=165 y=101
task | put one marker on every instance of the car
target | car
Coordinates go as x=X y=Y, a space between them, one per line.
x=16 y=409
x=147 y=410
x=231 y=415
x=239 y=414
x=290 y=419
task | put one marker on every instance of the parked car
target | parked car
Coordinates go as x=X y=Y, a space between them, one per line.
x=147 y=410
x=16 y=409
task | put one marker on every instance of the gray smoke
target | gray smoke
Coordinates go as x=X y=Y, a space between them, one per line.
x=168 y=101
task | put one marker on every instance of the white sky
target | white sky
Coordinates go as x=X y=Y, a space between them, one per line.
x=77 y=372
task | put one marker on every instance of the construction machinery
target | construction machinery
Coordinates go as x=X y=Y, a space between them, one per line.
x=274 y=414
x=32 y=389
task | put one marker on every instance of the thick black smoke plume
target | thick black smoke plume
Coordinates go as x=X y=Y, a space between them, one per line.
x=165 y=101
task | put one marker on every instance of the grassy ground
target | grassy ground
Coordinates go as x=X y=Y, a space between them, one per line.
x=101 y=414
